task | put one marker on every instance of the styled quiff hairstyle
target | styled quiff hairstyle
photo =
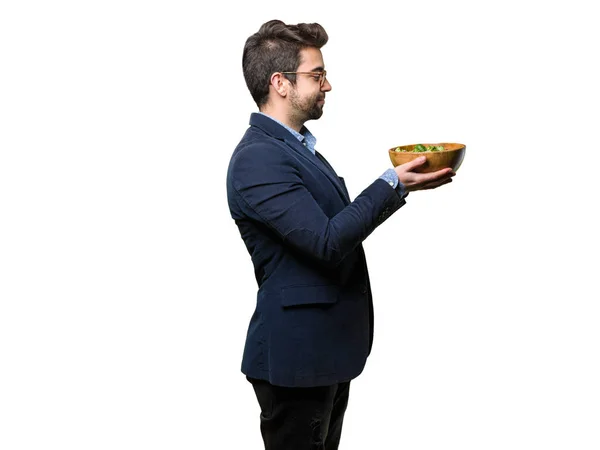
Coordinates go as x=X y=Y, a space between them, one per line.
x=276 y=48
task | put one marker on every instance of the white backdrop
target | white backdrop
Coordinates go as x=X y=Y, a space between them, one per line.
x=126 y=290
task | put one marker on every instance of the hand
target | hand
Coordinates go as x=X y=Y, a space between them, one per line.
x=414 y=181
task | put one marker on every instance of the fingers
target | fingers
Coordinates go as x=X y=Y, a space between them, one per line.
x=435 y=184
x=421 y=181
x=415 y=181
x=424 y=178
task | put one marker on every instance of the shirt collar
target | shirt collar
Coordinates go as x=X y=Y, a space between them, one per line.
x=306 y=137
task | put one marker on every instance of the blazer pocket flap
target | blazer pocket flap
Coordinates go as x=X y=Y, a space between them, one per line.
x=309 y=295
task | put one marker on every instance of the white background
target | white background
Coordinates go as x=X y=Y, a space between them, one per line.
x=126 y=290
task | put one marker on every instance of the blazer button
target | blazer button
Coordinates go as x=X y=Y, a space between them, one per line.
x=363 y=289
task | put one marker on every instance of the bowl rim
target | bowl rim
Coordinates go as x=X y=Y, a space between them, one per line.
x=461 y=147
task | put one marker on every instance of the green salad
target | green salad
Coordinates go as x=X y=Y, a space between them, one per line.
x=420 y=148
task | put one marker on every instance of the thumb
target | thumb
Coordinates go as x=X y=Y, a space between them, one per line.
x=415 y=163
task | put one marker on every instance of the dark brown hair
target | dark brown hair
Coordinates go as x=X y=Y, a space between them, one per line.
x=276 y=48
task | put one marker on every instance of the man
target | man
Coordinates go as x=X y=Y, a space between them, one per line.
x=312 y=328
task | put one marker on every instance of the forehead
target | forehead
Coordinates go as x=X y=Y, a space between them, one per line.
x=310 y=59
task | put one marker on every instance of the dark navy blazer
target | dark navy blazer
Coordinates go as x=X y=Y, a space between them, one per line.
x=313 y=322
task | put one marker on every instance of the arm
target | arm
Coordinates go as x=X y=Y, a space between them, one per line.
x=271 y=191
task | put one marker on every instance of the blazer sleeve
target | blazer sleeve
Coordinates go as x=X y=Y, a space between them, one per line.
x=270 y=190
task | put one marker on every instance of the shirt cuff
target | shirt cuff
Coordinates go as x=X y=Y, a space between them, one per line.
x=391 y=177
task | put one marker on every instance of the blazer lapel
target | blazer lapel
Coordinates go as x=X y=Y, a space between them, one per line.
x=321 y=164
x=337 y=178
x=277 y=131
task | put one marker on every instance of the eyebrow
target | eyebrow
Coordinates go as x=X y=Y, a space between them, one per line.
x=318 y=69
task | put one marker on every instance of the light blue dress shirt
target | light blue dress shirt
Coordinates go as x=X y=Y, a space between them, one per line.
x=309 y=141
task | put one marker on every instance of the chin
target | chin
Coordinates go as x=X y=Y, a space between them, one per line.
x=316 y=114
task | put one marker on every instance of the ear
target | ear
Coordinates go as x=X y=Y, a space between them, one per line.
x=280 y=83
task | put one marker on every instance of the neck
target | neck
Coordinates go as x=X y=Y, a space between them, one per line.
x=282 y=116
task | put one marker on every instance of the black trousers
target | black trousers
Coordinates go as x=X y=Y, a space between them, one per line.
x=301 y=418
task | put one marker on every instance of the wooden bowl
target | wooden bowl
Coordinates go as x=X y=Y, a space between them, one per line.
x=452 y=156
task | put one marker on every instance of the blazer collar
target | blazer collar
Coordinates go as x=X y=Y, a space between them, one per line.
x=270 y=127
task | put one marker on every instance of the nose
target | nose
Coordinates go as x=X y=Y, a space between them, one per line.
x=326 y=85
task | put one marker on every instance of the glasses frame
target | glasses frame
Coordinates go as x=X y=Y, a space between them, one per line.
x=322 y=75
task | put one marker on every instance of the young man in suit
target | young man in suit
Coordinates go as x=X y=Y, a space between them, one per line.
x=312 y=329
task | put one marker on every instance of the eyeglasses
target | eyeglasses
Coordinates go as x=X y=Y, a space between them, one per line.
x=317 y=76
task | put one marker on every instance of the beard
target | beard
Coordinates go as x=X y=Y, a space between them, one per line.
x=306 y=108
